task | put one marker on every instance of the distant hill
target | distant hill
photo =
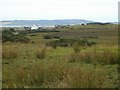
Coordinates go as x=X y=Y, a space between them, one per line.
x=45 y=22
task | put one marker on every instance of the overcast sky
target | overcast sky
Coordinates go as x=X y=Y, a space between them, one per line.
x=96 y=10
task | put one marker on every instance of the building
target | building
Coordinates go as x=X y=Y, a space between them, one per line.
x=34 y=27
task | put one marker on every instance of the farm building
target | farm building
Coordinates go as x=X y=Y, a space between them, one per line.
x=34 y=27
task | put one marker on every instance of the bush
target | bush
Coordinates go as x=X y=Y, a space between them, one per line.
x=8 y=35
x=50 y=37
x=53 y=44
x=70 y=42
x=41 y=53
x=56 y=37
x=47 y=37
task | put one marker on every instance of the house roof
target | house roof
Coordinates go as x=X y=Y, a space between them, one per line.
x=34 y=26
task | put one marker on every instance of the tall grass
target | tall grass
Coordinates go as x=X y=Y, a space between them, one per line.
x=9 y=54
x=53 y=71
x=87 y=78
x=76 y=47
x=107 y=57
x=41 y=53
x=57 y=75
x=94 y=57
x=40 y=75
x=72 y=57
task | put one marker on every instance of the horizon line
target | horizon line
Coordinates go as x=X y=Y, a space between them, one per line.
x=50 y=20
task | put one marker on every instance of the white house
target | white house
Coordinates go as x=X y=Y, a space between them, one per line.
x=34 y=27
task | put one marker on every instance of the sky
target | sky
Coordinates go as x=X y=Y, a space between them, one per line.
x=96 y=10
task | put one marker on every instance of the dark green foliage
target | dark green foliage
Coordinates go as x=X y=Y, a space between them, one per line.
x=53 y=44
x=56 y=37
x=43 y=30
x=32 y=35
x=47 y=37
x=14 y=36
x=70 y=42
x=51 y=37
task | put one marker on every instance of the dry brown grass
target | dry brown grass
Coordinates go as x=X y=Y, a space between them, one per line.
x=104 y=57
x=9 y=54
x=41 y=53
x=86 y=78
x=76 y=47
x=58 y=75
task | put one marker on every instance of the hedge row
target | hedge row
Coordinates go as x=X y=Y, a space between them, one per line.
x=70 y=42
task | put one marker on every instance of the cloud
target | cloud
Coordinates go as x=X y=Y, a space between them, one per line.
x=60 y=9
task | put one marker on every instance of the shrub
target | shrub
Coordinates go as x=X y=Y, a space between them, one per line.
x=41 y=53
x=56 y=37
x=91 y=43
x=53 y=44
x=47 y=37
x=8 y=35
x=70 y=42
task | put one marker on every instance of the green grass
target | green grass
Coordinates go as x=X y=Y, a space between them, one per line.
x=92 y=67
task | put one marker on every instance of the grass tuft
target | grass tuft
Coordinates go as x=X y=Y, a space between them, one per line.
x=41 y=53
x=104 y=58
x=9 y=54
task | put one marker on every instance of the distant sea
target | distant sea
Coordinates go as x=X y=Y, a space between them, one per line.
x=30 y=25
x=44 y=23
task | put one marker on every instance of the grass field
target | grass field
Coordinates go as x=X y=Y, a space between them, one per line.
x=36 y=65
